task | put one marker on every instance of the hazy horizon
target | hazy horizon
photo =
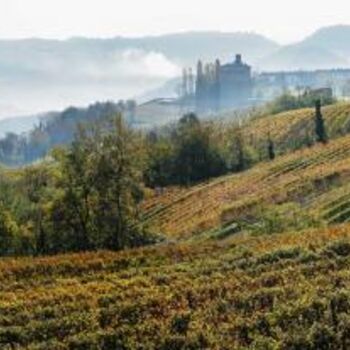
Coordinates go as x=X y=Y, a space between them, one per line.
x=179 y=32
x=279 y=21
x=36 y=77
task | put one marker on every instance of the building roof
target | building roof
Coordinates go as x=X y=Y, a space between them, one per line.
x=237 y=63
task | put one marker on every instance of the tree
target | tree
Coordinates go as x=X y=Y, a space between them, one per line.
x=160 y=170
x=184 y=154
x=196 y=158
x=130 y=106
x=117 y=177
x=288 y=101
x=35 y=182
x=321 y=135
x=7 y=232
x=271 y=149
x=101 y=183
x=239 y=161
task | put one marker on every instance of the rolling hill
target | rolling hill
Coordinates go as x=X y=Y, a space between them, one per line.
x=303 y=56
x=254 y=260
x=282 y=291
x=80 y=58
x=327 y=48
x=333 y=38
x=295 y=177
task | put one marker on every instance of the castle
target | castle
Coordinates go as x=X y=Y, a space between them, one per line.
x=217 y=86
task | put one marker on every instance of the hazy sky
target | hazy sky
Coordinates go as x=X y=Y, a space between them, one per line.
x=284 y=21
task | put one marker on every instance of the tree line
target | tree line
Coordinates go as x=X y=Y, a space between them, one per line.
x=55 y=129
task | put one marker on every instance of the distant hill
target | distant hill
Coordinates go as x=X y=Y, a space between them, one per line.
x=325 y=49
x=124 y=60
x=334 y=38
x=157 y=58
x=84 y=58
x=187 y=48
x=302 y=57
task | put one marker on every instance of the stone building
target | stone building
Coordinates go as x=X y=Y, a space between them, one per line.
x=236 y=84
x=217 y=86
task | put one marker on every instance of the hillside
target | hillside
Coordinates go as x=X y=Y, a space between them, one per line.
x=297 y=177
x=334 y=38
x=325 y=49
x=254 y=260
x=283 y=291
x=291 y=129
x=78 y=56
x=303 y=56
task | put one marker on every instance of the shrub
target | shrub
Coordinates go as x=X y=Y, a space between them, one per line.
x=180 y=323
x=322 y=337
x=340 y=248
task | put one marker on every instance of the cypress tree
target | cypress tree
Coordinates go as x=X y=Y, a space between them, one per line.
x=321 y=135
x=271 y=149
x=239 y=156
x=200 y=87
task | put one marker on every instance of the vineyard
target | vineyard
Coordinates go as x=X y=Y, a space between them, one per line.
x=252 y=260
x=289 y=129
x=283 y=291
x=299 y=177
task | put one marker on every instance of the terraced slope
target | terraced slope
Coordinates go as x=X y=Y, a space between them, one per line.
x=334 y=205
x=285 y=291
x=300 y=177
x=290 y=129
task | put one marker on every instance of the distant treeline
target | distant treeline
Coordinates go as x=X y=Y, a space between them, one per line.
x=57 y=129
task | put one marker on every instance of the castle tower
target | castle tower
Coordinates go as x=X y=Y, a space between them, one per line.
x=236 y=84
x=238 y=59
x=223 y=86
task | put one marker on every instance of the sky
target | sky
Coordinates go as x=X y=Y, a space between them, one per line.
x=283 y=21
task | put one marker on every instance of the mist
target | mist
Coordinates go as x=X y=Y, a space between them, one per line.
x=51 y=82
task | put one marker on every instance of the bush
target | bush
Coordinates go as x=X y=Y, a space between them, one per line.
x=340 y=248
x=281 y=218
x=322 y=337
x=180 y=323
